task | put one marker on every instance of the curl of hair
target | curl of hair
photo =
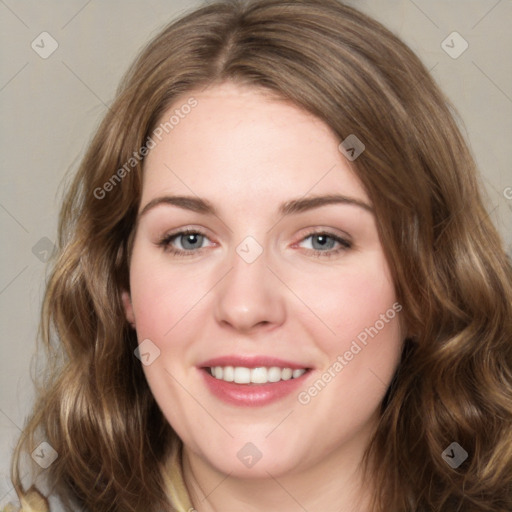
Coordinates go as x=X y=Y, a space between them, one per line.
x=451 y=273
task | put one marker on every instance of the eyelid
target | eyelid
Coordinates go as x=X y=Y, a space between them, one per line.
x=332 y=232
x=344 y=244
x=187 y=229
x=166 y=239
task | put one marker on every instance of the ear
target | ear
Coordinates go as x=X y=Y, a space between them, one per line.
x=128 y=307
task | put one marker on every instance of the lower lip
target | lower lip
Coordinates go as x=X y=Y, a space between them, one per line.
x=252 y=395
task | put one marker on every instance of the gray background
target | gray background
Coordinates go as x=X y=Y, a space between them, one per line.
x=50 y=108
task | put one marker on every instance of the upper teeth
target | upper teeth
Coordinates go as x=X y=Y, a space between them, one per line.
x=262 y=375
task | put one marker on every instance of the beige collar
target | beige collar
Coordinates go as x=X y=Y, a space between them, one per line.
x=174 y=483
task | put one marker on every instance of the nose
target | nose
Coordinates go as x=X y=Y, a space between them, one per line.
x=250 y=297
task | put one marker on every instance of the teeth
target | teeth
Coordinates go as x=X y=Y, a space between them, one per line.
x=242 y=375
x=287 y=373
x=228 y=374
x=261 y=375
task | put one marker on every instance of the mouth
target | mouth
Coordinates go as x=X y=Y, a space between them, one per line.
x=252 y=381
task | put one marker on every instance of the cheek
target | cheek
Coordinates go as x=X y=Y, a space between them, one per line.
x=362 y=351
x=162 y=296
x=359 y=303
x=362 y=347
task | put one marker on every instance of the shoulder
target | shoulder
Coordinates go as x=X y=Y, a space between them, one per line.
x=32 y=501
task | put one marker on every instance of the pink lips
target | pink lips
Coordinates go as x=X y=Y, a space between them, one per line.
x=251 y=395
x=250 y=362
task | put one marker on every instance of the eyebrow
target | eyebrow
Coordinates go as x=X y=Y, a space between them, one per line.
x=293 y=206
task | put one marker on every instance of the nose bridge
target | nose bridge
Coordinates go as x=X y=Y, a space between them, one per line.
x=249 y=294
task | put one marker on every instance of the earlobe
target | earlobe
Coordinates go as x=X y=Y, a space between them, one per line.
x=128 y=307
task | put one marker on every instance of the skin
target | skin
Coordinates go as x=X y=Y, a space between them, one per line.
x=247 y=152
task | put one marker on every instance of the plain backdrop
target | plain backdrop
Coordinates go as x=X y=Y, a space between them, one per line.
x=51 y=106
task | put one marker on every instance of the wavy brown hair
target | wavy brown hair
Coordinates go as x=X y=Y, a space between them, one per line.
x=452 y=276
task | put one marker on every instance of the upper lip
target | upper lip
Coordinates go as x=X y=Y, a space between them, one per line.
x=251 y=361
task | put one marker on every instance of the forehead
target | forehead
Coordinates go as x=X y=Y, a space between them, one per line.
x=241 y=143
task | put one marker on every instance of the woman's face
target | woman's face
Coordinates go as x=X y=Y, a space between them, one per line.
x=271 y=279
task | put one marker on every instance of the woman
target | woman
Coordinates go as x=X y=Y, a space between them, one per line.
x=258 y=370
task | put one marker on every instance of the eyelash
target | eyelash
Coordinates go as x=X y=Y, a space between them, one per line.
x=165 y=243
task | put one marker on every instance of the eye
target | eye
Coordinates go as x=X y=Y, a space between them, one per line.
x=191 y=241
x=322 y=244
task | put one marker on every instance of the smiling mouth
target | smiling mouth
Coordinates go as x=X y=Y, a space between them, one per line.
x=259 y=375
